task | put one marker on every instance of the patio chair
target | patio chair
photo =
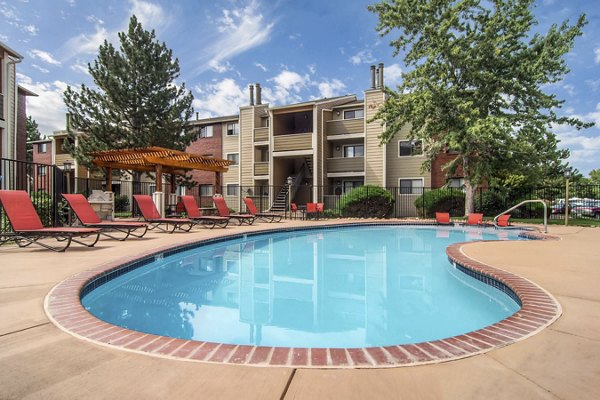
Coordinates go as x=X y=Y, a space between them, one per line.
x=311 y=211
x=268 y=217
x=88 y=218
x=153 y=218
x=27 y=228
x=474 y=219
x=223 y=211
x=502 y=220
x=193 y=212
x=443 y=218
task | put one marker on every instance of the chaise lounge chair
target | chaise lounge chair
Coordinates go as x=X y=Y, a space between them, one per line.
x=443 y=218
x=152 y=216
x=223 y=211
x=268 y=217
x=193 y=212
x=475 y=219
x=28 y=228
x=88 y=218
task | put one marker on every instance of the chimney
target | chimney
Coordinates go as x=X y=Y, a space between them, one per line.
x=252 y=94
x=258 y=95
x=380 y=76
x=197 y=113
x=372 y=77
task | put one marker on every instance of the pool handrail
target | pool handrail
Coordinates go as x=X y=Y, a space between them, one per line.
x=525 y=202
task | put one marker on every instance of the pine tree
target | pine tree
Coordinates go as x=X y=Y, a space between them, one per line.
x=137 y=102
x=33 y=133
x=475 y=83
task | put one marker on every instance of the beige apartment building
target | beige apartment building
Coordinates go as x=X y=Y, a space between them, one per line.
x=323 y=147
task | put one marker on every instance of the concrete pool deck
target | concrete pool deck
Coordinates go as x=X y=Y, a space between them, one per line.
x=38 y=360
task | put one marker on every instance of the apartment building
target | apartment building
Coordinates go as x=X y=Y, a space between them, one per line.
x=323 y=147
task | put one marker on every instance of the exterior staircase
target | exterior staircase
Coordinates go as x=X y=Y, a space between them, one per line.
x=280 y=203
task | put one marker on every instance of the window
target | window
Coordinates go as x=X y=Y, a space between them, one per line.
x=456 y=183
x=233 y=129
x=41 y=170
x=235 y=157
x=357 y=150
x=206 y=131
x=42 y=147
x=264 y=122
x=349 y=185
x=351 y=114
x=233 y=189
x=411 y=186
x=410 y=148
x=206 y=190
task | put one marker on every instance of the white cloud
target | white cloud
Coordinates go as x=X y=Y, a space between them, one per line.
x=220 y=67
x=584 y=145
x=44 y=56
x=259 y=65
x=31 y=29
x=41 y=69
x=239 y=29
x=362 y=57
x=220 y=98
x=94 y=20
x=392 y=75
x=12 y=18
x=331 y=88
x=85 y=43
x=80 y=67
x=312 y=68
x=151 y=16
x=594 y=84
x=570 y=89
x=597 y=55
x=48 y=109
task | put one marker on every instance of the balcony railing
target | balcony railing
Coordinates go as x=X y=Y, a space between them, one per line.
x=261 y=134
x=261 y=168
x=345 y=126
x=346 y=164
x=299 y=141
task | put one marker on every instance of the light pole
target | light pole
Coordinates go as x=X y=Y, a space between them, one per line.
x=67 y=169
x=567 y=177
x=290 y=181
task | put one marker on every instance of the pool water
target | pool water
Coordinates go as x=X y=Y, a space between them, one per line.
x=354 y=286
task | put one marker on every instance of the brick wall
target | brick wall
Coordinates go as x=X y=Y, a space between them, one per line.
x=202 y=146
x=438 y=176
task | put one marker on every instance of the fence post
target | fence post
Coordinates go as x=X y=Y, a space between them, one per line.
x=58 y=184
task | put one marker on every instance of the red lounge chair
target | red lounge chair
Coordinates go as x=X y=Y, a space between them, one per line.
x=311 y=210
x=268 y=217
x=223 y=211
x=193 y=212
x=152 y=216
x=475 y=219
x=28 y=228
x=442 y=218
x=88 y=218
x=502 y=220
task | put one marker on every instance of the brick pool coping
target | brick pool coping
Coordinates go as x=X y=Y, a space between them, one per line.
x=539 y=310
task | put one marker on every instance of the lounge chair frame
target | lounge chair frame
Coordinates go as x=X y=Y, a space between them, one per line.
x=79 y=205
x=267 y=217
x=154 y=220
x=223 y=211
x=193 y=212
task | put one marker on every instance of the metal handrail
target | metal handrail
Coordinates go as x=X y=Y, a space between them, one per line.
x=525 y=202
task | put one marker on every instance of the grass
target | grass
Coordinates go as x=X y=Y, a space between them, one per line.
x=572 y=221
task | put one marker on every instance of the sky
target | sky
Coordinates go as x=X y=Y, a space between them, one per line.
x=297 y=50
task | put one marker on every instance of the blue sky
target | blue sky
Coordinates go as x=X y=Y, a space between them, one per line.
x=296 y=49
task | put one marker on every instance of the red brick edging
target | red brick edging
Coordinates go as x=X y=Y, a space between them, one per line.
x=539 y=309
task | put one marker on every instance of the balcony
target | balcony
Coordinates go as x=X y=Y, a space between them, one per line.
x=345 y=126
x=261 y=168
x=346 y=164
x=261 y=134
x=298 y=141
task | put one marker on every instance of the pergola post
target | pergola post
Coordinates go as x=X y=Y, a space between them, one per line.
x=159 y=196
x=217 y=182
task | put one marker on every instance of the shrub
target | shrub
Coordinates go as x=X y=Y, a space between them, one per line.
x=367 y=202
x=441 y=200
x=121 y=203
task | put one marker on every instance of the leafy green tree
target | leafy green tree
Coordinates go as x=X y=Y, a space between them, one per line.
x=595 y=176
x=475 y=82
x=137 y=102
x=33 y=133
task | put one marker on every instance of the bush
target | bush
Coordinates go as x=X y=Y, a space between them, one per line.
x=121 y=203
x=493 y=202
x=441 y=200
x=367 y=202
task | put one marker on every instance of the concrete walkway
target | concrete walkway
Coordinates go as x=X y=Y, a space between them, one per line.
x=39 y=361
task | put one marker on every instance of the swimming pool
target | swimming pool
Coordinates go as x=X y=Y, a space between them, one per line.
x=350 y=287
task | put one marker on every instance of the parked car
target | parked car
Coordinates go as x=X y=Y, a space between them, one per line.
x=596 y=212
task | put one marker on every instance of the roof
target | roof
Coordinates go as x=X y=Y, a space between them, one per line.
x=26 y=91
x=148 y=158
x=206 y=121
x=46 y=140
x=10 y=51
x=312 y=102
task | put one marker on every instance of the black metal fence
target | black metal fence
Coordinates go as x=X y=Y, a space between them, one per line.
x=46 y=183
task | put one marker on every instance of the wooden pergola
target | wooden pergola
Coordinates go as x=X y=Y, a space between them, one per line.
x=158 y=160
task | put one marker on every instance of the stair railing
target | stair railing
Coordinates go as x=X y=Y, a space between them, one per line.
x=519 y=205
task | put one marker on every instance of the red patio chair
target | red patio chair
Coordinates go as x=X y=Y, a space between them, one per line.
x=152 y=216
x=311 y=210
x=223 y=211
x=502 y=221
x=88 y=218
x=193 y=212
x=475 y=219
x=442 y=218
x=268 y=217
x=28 y=228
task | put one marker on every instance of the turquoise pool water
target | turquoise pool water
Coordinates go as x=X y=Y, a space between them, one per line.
x=354 y=286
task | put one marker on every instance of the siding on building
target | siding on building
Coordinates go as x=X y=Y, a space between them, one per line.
x=374 y=152
x=406 y=166
x=231 y=144
x=247 y=146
